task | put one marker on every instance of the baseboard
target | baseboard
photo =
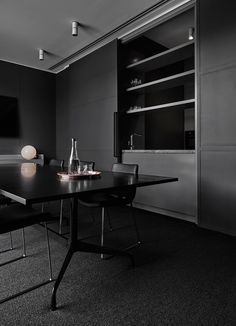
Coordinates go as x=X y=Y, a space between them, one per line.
x=226 y=231
x=174 y=214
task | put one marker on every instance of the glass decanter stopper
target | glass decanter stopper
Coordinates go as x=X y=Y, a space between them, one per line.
x=74 y=162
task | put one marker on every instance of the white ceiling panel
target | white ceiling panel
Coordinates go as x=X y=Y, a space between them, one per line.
x=27 y=25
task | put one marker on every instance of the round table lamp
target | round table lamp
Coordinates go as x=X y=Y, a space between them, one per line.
x=28 y=152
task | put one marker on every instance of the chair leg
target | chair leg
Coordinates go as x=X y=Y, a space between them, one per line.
x=61 y=216
x=49 y=253
x=135 y=224
x=11 y=242
x=11 y=246
x=92 y=216
x=23 y=242
x=37 y=285
x=102 y=230
x=109 y=220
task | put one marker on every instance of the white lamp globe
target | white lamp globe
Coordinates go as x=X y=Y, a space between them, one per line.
x=28 y=152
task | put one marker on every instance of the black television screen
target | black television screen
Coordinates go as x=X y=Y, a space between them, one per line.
x=9 y=122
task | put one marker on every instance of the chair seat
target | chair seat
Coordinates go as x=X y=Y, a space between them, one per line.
x=18 y=216
x=118 y=197
x=104 y=199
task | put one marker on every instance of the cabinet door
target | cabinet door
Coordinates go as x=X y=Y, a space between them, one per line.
x=176 y=199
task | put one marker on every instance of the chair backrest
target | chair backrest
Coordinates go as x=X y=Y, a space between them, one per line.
x=129 y=194
x=54 y=162
x=88 y=163
x=125 y=168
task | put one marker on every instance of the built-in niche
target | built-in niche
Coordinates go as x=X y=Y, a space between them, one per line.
x=157 y=87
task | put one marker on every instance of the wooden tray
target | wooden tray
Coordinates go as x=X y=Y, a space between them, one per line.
x=82 y=175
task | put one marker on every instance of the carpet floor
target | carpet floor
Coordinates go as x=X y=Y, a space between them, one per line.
x=184 y=275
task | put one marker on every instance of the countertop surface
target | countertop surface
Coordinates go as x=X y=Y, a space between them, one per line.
x=160 y=151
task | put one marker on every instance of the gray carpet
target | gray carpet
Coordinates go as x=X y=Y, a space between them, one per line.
x=183 y=276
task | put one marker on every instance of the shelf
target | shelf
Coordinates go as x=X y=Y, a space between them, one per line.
x=167 y=82
x=180 y=104
x=178 y=53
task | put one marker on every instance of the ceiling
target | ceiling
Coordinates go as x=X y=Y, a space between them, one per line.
x=28 y=25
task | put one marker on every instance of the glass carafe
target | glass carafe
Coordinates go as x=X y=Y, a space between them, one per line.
x=74 y=162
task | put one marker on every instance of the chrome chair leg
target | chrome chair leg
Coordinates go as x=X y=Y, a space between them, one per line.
x=135 y=225
x=61 y=217
x=102 y=231
x=11 y=242
x=11 y=246
x=49 y=253
x=24 y=254
x=23 y=242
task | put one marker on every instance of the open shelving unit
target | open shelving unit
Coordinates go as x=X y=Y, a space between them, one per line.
x=157 y=110
x=157 y=89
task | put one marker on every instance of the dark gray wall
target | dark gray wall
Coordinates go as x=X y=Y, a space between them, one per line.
x=35 y=92
x=86 y=101
x=217 y=115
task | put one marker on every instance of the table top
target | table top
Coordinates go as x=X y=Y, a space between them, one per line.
x=29 y=183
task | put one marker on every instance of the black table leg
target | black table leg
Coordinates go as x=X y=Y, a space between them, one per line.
x=59 y=278
x=72 y=249
x=77 y=245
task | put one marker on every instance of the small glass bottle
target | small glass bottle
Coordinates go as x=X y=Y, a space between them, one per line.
x=74 y=162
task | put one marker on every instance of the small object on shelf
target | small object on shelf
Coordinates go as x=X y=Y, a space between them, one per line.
x=81 y=175
x=134 y=60
x=133 y=108
x=166 y=82
x=135 y=82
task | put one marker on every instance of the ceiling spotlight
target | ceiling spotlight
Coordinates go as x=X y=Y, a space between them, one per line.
x=191 y=33
x=75 y=27
x=41 y=54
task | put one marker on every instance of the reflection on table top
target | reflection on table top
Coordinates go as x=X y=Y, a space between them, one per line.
x=39 y=183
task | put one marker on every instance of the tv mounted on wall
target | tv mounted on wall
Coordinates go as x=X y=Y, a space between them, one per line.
x=9 y=121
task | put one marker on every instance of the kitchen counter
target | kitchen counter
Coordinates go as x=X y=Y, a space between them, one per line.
x=160 y=151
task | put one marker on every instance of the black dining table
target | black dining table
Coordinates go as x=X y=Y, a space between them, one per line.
x=28 y=184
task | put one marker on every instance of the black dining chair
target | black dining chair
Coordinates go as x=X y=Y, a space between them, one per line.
x=120 y=197
x=91 y=166
x=15 y=217
x=60 y=163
